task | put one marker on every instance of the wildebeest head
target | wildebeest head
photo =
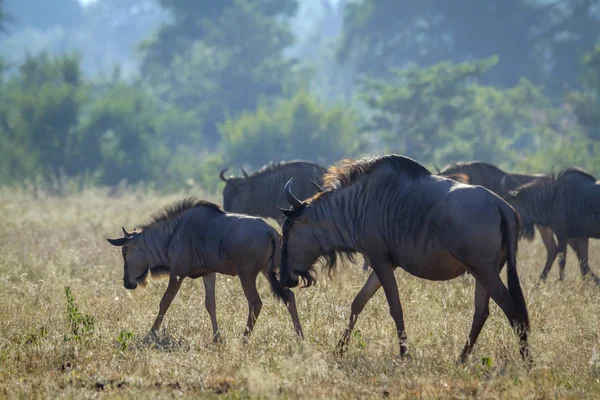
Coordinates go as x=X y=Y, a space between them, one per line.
x=236 y=193
x=135 y=259
x=300 y=249
x=518 y=200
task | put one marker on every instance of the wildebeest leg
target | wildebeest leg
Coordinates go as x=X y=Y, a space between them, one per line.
x=358 y=304
x=551 y=249
x=482 y=311
x=562 y=256
x=254 y=304
x=366 y=263
x=517 y=317
x=289 y=299
x=580 y=245
x=165 y=302
x=211 y=303
x=385 y=274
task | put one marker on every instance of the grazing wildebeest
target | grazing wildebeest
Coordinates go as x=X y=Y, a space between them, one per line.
x=394 y=211
x=569 y=205
x=195 y=238
x=259 y=194
x=500 y=182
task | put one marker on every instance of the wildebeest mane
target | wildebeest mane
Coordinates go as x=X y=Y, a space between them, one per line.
x=275 y=166
x=178 y=207
x=455 y=167
x=574 y=170
x=554 y=178
x=344 y=173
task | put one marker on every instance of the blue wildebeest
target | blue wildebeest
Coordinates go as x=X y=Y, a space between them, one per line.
x=394 y=211
x=259 y=194
x=569 y=205
x=195 y=238
x=500 y=182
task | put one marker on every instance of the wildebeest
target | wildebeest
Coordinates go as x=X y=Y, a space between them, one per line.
x=195 y=238
x=394 y=211
x=500 y=182
x=569 y=205
x=259 y=194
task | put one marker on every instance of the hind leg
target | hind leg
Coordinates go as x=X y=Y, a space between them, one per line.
x=482 y=311
x=516 y=315
x=361 y=299
x=551 y=249
x=211 y=304
x=580 y=245
x=254 y=304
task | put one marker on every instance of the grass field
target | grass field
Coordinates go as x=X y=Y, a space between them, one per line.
x=49 y=243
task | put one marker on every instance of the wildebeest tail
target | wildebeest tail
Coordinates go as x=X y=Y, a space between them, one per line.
x=277 y=289
x=510 y=232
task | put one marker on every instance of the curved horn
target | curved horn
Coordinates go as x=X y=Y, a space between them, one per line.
x=244 y=172
x=319 y=188
x=503 y=185
x=294 y=202
x=127 y=234
x=222 y=176
x=437 y=169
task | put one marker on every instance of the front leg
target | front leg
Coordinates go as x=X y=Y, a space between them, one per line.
x=562 y=256
x=211 y=303
x=368 y=290
x=385 y=274
x=165 y=302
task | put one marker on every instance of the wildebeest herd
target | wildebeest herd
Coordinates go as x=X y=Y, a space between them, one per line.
x=390 y=209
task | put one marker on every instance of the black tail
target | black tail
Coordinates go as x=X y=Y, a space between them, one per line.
x=510 y=232
x=277 y=289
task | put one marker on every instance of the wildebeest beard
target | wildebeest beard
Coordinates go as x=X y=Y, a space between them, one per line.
x=328 y=260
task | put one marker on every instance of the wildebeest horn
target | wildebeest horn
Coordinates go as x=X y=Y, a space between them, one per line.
x=503 y=184
x=294 y=202
x=437 y=169
x=127 y=234
x=316 y=185
x=244 y=172
x=222 y=176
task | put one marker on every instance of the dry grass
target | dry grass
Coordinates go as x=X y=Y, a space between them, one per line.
x=49 y=243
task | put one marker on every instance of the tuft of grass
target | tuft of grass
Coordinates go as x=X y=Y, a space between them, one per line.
x=50 y=242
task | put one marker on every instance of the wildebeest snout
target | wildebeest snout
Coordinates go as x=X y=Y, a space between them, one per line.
x=129 y=285
x=289 y=281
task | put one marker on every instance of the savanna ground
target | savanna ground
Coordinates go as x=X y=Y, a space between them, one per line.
x=96 y=346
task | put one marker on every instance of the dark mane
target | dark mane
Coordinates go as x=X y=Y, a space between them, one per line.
x=454 y=167
x=178 y=207
x=553 y=178
x=575 y=171
x=275 y=166
x=346 y=172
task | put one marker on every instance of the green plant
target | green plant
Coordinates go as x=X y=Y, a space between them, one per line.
x=80 y=325
x=124 y=339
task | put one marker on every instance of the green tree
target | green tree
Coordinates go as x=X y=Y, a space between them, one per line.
x=441 y=114
x=586 y=102
x=543 y=43
x=41 y=110
x=298 y=128
x=220 y=58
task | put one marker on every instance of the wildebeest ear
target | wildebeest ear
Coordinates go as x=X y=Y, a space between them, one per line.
x=293 y=215
x=316 y=185
x=118 y=242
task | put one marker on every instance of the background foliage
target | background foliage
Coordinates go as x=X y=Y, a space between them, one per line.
x=167 y=92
